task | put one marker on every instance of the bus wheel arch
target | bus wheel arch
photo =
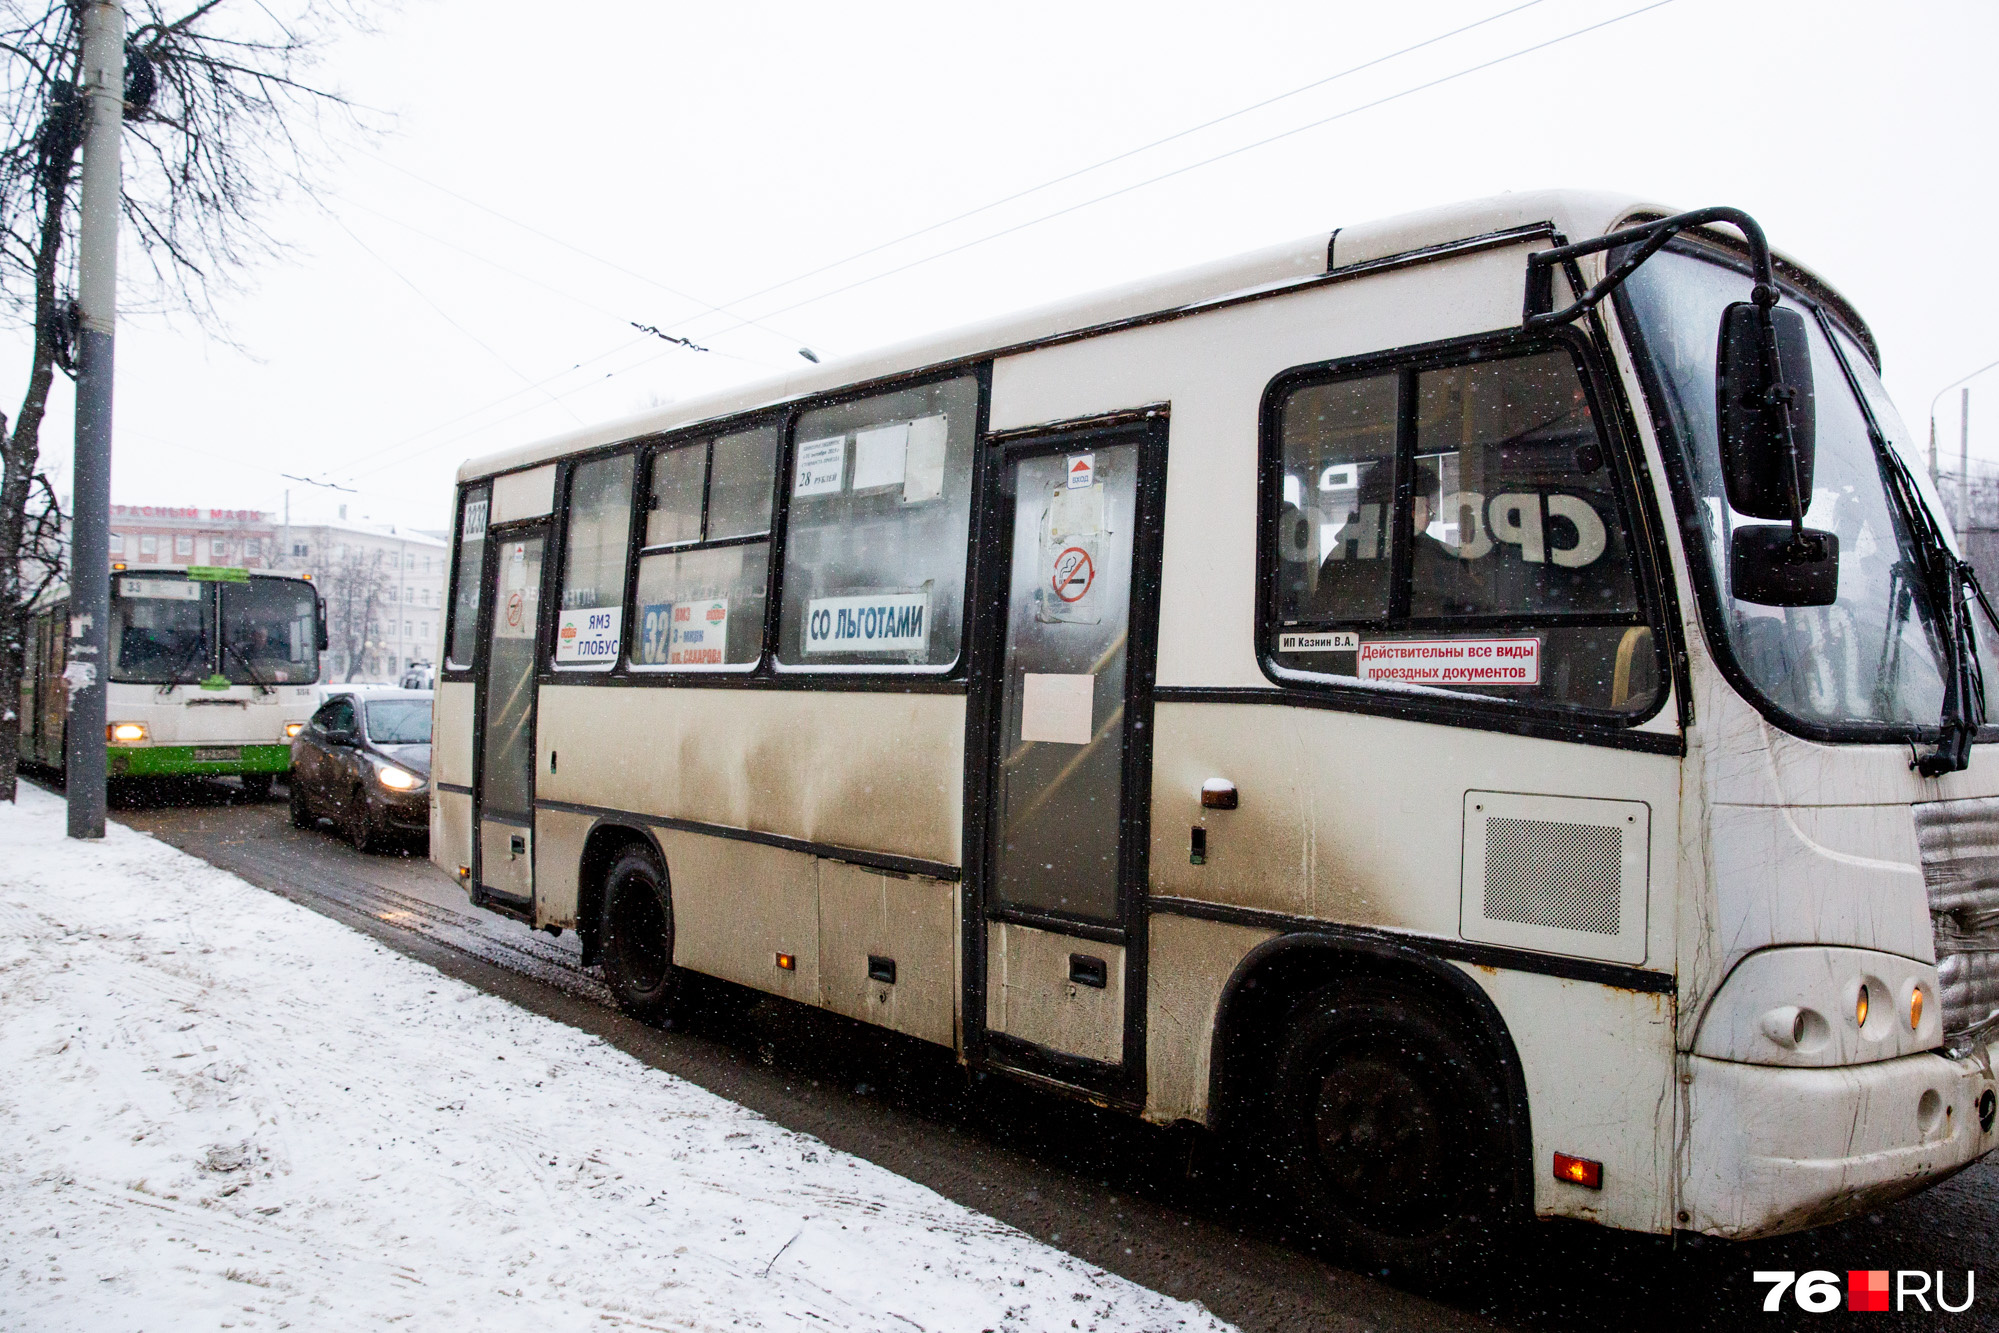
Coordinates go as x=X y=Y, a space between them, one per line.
x=606 y=841
x=1280 y=995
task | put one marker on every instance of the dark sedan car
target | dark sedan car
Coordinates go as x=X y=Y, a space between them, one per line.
x=363 y=761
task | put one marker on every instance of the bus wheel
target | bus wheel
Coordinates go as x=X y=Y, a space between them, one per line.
x=635 y=937
x=302 y=816
x=1392 y=1133
x=256 y=786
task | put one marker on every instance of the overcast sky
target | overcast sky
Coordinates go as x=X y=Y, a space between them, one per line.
x=543 y=182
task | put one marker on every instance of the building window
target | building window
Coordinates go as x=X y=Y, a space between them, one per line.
x=117 y=543
x=299 y=551
x=149 y=545
x=183 y=545
x=218 y=548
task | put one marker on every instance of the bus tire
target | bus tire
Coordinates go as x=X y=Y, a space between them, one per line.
x=256 y=786
x=302 y=816
x=635 y=938
x=1391 y=1132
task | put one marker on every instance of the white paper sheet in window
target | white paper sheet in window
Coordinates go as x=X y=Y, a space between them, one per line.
x=878 y=455
x=923 y=477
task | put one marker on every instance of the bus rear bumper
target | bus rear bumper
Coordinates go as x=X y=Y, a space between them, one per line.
x=172 y=761
x=1774 y=1149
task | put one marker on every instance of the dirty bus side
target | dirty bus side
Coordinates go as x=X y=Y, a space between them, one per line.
x=1301 y=697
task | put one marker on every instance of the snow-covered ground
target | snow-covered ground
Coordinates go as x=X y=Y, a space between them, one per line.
x=218 y=1109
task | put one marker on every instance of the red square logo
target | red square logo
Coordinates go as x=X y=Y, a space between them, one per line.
x=1867 y=1289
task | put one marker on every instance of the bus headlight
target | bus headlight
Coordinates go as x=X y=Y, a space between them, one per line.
x=396 y=779
x=126 y=733
x=1821 y=1006
x=293 y=728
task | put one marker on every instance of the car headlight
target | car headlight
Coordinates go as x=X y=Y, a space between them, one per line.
x=1821 y=1006
x=126 y=733
x=396 y=779
x=293 y=728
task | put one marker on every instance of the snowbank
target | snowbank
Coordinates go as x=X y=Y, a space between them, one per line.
x=218 y=1109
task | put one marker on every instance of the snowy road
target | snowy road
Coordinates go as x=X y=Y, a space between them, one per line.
x=224 y=1111
x=1104 y=1189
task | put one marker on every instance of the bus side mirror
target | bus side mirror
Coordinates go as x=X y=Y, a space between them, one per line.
x=320 y=625
x=1762 y=385
x=1771 y=565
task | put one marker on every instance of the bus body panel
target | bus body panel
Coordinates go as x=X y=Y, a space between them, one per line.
x=1191 y=962
x=451 y=777
x=1030 y=994
x=910 y=922
x=867 y=770
x=740 y=909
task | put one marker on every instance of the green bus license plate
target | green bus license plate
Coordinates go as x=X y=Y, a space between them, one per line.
x=218 y=754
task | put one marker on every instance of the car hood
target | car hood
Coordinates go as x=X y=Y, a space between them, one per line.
x=416 y=758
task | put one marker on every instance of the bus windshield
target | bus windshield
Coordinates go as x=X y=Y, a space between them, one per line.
x=1872 y=662
x=160 y=629
x=269 y=632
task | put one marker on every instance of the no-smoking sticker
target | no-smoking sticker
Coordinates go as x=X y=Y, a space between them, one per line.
x=1074 y=573
x=515 y=599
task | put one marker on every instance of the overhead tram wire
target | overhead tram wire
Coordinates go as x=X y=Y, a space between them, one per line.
x=1178 y=171
x=1466 y=72
x=443 y=316
x=707 y=307
x=728 y=307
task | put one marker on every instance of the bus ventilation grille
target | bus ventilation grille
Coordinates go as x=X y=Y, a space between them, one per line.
x=1556 y=874
x=1561 y=875
x=1960 y=847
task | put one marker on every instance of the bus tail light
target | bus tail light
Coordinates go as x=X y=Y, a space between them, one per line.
x=1579 y=1171
x=125 y=733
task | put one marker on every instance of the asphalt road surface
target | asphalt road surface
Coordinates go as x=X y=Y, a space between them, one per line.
x=1172 y=1210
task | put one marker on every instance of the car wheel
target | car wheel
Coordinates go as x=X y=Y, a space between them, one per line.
x=361 y=829
x=1393 y=1133
x=635 y=938
x=302 y=816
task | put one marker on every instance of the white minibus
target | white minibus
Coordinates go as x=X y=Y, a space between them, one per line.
x=1477 y=705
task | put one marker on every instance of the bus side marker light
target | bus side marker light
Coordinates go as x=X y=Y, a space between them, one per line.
x=126 y=733
x=293 y=728
x=786 y=963
x=465 y=872
x=1915 y=1008
x=1579 y=1171
x=1860 y=1008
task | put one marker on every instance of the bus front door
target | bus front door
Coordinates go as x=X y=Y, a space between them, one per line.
x=504 y=777
x=1061 y=922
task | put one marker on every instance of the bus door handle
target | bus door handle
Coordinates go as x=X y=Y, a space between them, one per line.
x=1088 y=970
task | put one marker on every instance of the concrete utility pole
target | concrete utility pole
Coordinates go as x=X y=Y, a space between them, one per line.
x=99 y=202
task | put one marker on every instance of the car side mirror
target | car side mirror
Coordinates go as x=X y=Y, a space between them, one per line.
x=342 y=736
x=1765 y=412
x=1771 y=565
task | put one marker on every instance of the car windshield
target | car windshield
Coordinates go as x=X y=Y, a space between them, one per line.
x=270 y=632
x=160 y=629
x=1870 y=661
x=399 y=721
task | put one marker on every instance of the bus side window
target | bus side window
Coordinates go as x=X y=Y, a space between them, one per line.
x=878 y=531
x=706 y=564
x=1458 y=527
x=590 y=618
x=469 y=568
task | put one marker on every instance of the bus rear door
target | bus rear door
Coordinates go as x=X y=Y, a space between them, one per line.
x=1059 y=917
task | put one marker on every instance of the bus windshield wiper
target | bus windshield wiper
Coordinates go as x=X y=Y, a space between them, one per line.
x=263 y=686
